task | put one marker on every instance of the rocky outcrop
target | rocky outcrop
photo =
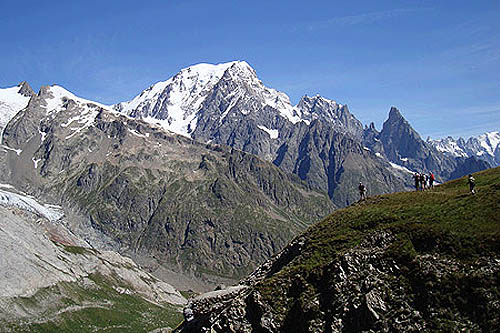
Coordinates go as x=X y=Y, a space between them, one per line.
x=361 y=290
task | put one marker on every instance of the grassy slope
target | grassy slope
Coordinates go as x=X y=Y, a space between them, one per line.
x=99 y=308
x=446 y=220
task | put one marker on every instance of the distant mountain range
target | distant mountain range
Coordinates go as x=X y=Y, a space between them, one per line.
x=176 y=205
x=228 y=104
x=485 y=146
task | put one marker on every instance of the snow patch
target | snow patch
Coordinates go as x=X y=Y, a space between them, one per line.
x=273 y=133
x=70 y=121
x=400 y=167
x=35 y=162
x=17 y=151
x=42 y=135
x=134 y=132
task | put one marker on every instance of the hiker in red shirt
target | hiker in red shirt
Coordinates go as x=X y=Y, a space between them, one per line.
x=431 y=180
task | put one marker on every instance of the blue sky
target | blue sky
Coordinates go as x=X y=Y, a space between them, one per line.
x=437 y=61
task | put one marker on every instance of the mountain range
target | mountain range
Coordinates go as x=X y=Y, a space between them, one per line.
x=204 y=210
x=228 y=104
x=485 y=146
x=204 y=176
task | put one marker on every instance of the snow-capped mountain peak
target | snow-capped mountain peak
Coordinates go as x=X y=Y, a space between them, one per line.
x=490 y=142
x=173 y=103
x=450 y=146
x=226 y=91
x=55 y=97
x=485 y=146
x=75 y=113
x=13 y=100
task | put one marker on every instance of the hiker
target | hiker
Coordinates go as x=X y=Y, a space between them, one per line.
x=422 y=181
x=431 y=180
x=472 y=184
x=362 y=191
x=416 y=177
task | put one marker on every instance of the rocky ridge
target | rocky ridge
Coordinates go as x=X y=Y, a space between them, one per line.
x=402 y=145
x=12 y=100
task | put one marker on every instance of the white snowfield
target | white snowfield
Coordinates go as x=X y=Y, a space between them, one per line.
x=490 y=142
x=400 y=167
x=449 y=145
x=60 y=95
x=181 y=94
x=273 y=133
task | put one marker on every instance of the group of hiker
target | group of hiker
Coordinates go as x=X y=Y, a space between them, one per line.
x=423 y=181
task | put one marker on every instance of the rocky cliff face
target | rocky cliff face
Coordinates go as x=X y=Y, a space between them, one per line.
x=403 y=262
x=204 y=210
x=402 y=145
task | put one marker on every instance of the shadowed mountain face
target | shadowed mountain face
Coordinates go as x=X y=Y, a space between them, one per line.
x=414 y=261
x=205 y=210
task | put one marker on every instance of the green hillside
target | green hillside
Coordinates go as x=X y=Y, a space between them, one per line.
x=447 y=219
x=97 y=307
x=412 y=261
